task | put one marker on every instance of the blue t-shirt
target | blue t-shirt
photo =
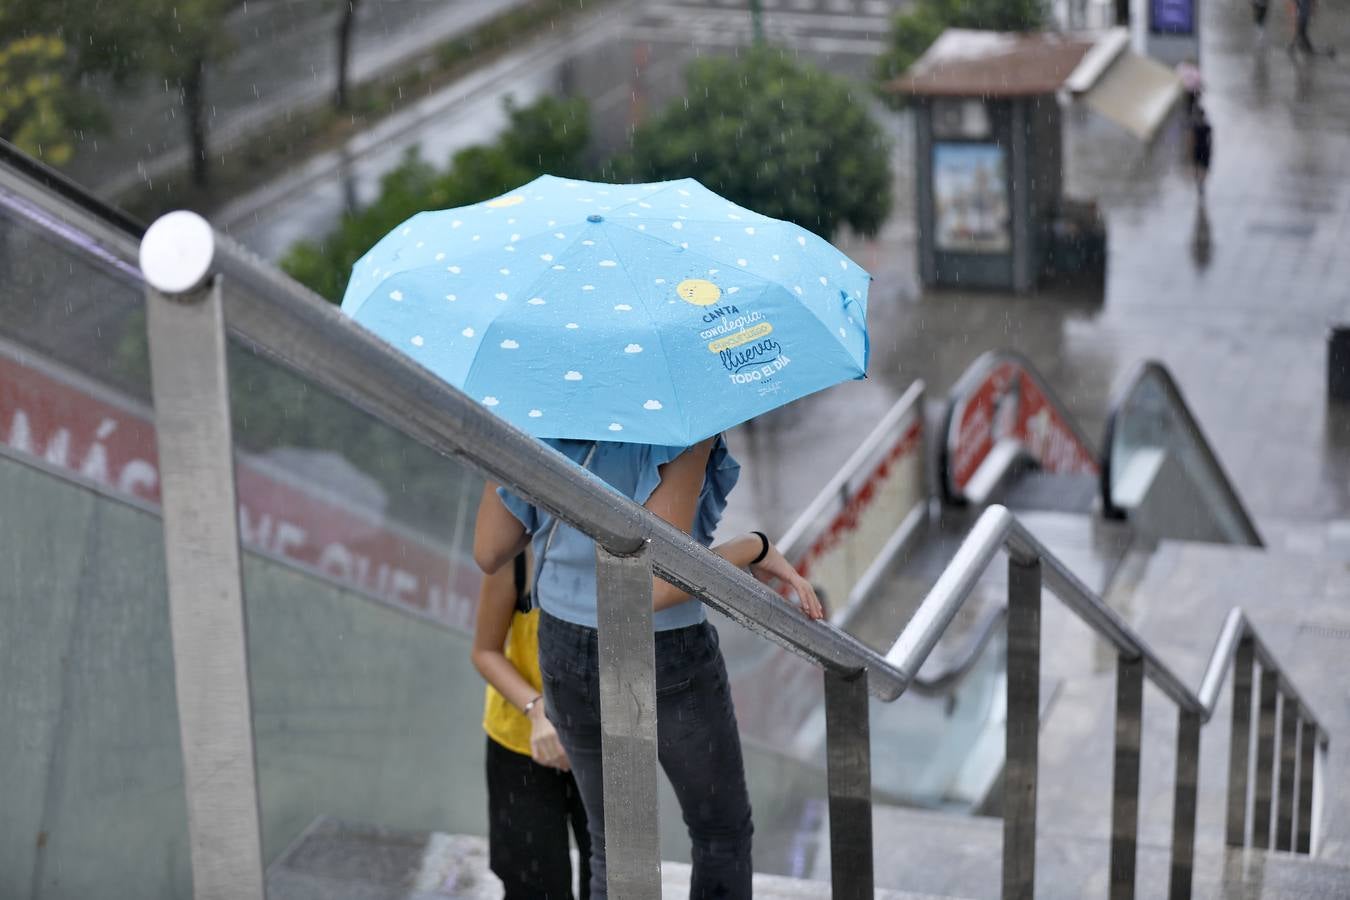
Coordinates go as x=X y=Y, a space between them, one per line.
x=565 y=587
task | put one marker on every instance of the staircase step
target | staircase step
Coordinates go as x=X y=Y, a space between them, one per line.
x=950 y=855
x=336 y=860
x=1051 y=492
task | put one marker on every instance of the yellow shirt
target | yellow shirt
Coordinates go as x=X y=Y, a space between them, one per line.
x=504 y=723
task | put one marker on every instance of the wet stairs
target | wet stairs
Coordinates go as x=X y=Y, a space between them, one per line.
x=1176 y=596
x=334 y=860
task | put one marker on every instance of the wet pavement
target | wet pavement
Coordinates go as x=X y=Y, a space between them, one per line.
x=1234 y=294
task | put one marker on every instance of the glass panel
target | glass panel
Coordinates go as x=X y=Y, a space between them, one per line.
x=1149 y=423
x=944 y=750
x=361 y=593
x=90 y=769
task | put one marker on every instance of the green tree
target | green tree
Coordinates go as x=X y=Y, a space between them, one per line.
x=47 y=48
x=172 y=39
x=775 y=135
x=547 y=136
x=914 y=30
x=36 y=113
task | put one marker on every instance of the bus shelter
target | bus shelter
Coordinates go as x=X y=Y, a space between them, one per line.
x=989 y=149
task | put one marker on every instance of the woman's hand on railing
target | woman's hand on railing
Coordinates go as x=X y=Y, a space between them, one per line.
x=774 y=567
x=545 y=748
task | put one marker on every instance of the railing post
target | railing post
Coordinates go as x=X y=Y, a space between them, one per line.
x=1023 y=729
x=186 y=330
x=1125 y=776
x=1239 y=744
x=1184 y=804
x=849 y=761
x=1284 y=810
x=1307 y=764
x=1265 y=757
x=627 y=650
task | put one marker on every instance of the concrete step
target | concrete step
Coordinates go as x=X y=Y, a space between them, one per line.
x=1176 y=597
x=961 y=856
x=335 y=860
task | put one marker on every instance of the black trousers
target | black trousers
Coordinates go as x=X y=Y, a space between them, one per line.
x=698 y=745
x=530 y=809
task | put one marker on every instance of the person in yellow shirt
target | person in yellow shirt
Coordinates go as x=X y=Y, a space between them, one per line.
x=532 y=797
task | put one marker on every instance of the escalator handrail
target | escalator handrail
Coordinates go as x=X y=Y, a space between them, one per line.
x=973 y=375
x=1153 y=369
x=795 y=540
x=942 y=683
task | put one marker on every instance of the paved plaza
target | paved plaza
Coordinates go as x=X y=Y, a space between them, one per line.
x=1240 y=316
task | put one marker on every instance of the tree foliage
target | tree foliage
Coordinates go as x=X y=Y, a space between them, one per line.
x=547 y=136
x=46 y=48
x=916 y=28
x=773 y=134
x=36 y=107
x=49 y=47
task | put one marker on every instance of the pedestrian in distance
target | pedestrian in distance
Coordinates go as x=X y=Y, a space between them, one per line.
x=1260 y=9
x=1202 y=146
x=1301 y=42
x=533 y=799
x=698 y=743
x=1192 y=83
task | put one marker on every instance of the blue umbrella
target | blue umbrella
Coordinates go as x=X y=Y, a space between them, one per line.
x=650 y=313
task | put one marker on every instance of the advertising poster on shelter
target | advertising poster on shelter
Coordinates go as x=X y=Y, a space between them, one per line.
x=1172 y=16
x=970 y=198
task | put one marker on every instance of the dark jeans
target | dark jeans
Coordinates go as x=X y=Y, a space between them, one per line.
x=529 y=809
x=697 y=743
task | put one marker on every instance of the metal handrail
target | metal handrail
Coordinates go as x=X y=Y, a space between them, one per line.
x=999 y=529
x=68 y=189
x=1156 y=370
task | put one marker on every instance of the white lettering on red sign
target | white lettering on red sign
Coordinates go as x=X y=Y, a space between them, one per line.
x=52 y=417
x=1009 y=403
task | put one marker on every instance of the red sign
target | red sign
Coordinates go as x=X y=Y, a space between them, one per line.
x=1008 y=402
x=846 y=521
x=64 y=422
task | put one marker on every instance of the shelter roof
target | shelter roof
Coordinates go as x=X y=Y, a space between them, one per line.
x=968 y=63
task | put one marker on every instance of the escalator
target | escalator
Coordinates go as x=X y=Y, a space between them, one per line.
x=881 y=534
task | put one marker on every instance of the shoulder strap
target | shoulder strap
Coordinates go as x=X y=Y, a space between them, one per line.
x=553 y=526
x=522 y=594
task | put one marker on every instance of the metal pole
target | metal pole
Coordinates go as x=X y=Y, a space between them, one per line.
x=1284 y=815
x=1184 y=804
x=1265 y=758
x=201 y=550
x=627 y=649
x=1125 y=776
x=1306 y=764
x=849 y=761
x=1239 y=744
x=1022 y=730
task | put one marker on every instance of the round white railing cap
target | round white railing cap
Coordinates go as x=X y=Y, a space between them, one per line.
x=177 y=251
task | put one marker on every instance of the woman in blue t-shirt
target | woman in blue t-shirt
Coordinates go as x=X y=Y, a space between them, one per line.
x=697 y=740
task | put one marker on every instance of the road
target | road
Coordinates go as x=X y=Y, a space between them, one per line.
x=284 y=58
